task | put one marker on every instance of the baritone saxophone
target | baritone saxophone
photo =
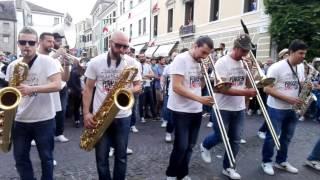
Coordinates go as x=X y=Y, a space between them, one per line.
x=10 y=98
x=119 y=98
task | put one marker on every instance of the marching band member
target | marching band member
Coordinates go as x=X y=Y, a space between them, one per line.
x=282 y=96
x=34 y=120
x=185 y=102
x=61 y=115
x=102 y=72
x=231 y=103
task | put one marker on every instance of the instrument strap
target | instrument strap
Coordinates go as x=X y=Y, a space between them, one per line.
x=295 y=73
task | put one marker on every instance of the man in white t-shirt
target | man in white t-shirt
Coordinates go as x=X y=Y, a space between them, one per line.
x=231 y=102
x=102 y=72
x=185 y=101
x=282 y=96
x=61 y=115
x=36 y=111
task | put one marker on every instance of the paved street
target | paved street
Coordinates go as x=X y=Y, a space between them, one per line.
x=151 y=155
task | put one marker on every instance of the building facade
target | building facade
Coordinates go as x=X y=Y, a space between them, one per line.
x=184 y=20
x=8 y=27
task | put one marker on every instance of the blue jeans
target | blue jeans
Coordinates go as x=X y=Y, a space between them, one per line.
x=233 y=122
x=284 y=123
x=186 y=132
x=315 y=154
x=116 y=136
x=43 y=134
x=61 y=115
x=167 y=115
x=135 y=111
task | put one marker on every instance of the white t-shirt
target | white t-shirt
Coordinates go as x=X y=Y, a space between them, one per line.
x=146 y=69
x=286 y=82
x=232 y=71
x=166 y=74
x=56 y=95
x=186 y=66
x=106 y=77
x=39 y=106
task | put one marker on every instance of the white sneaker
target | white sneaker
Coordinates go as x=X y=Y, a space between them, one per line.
x=259 y=112
x=168 y=137
x=261 y=135
x=210 y=124
x=143 y=120
x=61 y=138
x=231 y=173
x=287 y=167
x=55 y=163
x=314 y=164
x=164 y=124
x=111 y=152
x=134 y=129
x=301 y=118
x=205 y=154
x=267 y=168
x=186 y=178
x=243 y=141
x=33 y=143
x=250 y=112
x=129 y=151
x=171 y=178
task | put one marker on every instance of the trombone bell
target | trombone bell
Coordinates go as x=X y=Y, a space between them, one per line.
x=265 y=81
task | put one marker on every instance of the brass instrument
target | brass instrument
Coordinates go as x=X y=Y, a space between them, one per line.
x=263 y=107
x=10 y=98
x=263 y=81
x=306 y=91
x=117 y=99
x=219 y=84
x=70 y=57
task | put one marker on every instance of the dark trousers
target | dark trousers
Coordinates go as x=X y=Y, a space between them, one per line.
x=61 y=115
x=167 y=115
x=76 y=100
x=135 y=110
x=146 y=100
x=116 y=136
x=43 y=134
x=186 y=132
x=233 y=121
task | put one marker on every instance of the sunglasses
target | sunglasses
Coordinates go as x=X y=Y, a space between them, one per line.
x=23 y=42
x=118 y=46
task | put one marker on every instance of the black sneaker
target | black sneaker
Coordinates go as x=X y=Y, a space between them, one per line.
x=77 y=124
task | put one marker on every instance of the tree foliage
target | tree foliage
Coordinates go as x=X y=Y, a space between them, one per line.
x=295 y=19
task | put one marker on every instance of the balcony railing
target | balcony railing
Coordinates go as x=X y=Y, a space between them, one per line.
x=187 y=30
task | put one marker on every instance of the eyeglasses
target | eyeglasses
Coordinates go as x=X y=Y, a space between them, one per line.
x=118 y=46
x=23 y=42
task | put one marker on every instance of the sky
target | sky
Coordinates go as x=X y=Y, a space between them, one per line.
x=78 y=9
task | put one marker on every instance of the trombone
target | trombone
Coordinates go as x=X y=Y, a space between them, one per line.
x=219 y=85
x=70 y=57
x=263 y=81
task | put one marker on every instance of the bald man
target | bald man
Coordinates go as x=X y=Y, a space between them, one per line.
x=102 y=73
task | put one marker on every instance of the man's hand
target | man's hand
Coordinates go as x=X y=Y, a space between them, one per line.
x=294 y=101
x=206 y=100
x=26 y=90
x=89 y=123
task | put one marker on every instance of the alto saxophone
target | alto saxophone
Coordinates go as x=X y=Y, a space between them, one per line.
x=306 y=94
x=117 y=99
x=10 y=98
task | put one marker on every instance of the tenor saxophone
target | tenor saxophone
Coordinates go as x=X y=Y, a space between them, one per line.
x=10 y=98
x=117 y=99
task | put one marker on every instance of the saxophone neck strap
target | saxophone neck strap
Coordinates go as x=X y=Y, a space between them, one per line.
x=295 y=73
